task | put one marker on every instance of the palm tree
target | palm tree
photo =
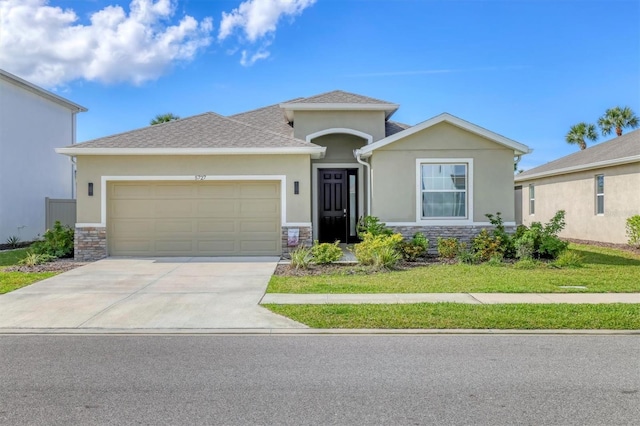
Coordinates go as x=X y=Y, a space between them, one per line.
x=579 y=132
x=617 y=118
x=164 y=118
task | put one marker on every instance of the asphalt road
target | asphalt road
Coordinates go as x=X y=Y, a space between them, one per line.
x=297 y=380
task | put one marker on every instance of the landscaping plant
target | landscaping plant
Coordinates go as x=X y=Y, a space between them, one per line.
x=485 y=246
x=541 y=241
x=372 y=225
x=633 y=230
x=507 y=241
x=300 y=257
x=569 y=259
x=326 y=253
x=448 y=247
x=58 y=242
x=33 y=259
x=414 y=248
x=377 y=247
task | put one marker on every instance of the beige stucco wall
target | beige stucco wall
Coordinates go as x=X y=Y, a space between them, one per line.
x=294 y=167
x=394 y=172
x=369 y=122
x=575 y=193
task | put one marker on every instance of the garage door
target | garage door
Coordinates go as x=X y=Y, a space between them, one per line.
x=193 y=218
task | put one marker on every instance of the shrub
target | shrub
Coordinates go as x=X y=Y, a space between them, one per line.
x=486 y=246
x=58 y=242
x=33 y=259
x=507 y=242
x=413 y=249
x=386 y=257
x=13 y=241
x=372 y=245
x=300 y=257
x=326 y=253
x=633 y=230
x=569 y=259
x=496 y=260
x=448 y=247
x=541 y=241
x=372 y=225
x=466 y=255
x=526 y=264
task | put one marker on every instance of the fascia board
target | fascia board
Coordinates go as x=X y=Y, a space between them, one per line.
x=579 y=168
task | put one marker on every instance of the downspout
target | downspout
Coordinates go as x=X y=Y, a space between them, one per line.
x=73 y=159
x=359 y=159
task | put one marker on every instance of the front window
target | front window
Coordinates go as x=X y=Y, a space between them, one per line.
x=444 y=190
x=532 y=199
x=599 y=194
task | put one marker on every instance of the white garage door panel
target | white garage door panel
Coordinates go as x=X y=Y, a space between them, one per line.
x=194 y=218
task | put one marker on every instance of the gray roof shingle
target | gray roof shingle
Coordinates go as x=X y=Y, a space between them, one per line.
x=206 y=130
x=627 y=145
x=269 y=118
x=340 y=97
x=393 y=127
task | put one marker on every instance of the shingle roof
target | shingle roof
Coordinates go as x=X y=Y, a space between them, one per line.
x=627 y=145
x=206 y=130
x=269 y=118
x=393 y=127
x=340 y=97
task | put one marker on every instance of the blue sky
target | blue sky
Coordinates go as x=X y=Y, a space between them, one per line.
x=525 y=69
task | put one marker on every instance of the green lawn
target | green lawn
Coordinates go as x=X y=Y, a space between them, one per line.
x=461 y=316
x=604 y=270
x=10 y=281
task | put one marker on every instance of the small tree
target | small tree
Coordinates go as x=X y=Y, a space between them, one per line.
x=579 y=132
x=163 y=118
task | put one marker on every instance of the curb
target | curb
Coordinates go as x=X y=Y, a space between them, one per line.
x=305 y=332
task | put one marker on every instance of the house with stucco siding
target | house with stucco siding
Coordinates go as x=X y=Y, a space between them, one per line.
x=599 y=188
x=33 y=123
x=264 y=181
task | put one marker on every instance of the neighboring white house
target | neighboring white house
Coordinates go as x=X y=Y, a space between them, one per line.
x=33 y=122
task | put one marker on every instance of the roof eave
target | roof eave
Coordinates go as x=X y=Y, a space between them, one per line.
x=579 y=168
x=315 y=152
x=41 y=92
x=289 y=108
x=518 y=148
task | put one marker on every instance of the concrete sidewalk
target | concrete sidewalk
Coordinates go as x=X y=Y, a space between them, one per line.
x=470 y=298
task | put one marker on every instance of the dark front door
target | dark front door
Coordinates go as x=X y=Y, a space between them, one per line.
x=337 y=205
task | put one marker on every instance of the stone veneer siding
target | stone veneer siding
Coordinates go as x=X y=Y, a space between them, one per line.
x=305 y=238
x=90 y=244
x=463 y=233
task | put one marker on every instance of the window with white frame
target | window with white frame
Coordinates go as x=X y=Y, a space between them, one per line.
x=599 y=194
x=444 y=190
x=532 y=199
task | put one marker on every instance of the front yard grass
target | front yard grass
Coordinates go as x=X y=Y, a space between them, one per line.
x=605 y=270
x=10 y=281
x=461 y=316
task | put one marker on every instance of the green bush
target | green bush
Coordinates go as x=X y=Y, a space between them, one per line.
x=372 y=246
x=413 y=249
x=33 y=259
x=486 y=246
x=13 y=241
x=386 y=257
x=58 y=242
x=507 y=241
x=541 y=241
x=372 y=225
x=496 y=260
x=633 y=230
x=300 y=257
x=466 y=255
x=569 y=259
x=326 y=253
x=448 y=247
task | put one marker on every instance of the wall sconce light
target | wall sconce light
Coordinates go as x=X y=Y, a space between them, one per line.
x=296 y=187
x=90 y=189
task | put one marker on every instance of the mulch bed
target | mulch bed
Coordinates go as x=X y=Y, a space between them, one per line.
x=354 y=268
x=61 y=265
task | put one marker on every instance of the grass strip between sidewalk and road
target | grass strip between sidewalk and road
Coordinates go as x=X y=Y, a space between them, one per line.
x=605 y=270
x=461 y=316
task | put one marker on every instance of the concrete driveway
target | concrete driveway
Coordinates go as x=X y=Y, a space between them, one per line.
x=158 y=293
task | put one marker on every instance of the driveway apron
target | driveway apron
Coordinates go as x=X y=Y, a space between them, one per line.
x=149 y=293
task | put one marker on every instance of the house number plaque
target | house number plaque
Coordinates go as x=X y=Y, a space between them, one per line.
x=201 y=177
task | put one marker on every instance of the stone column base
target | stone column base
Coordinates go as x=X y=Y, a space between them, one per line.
x=90 y=243
x=304 y=238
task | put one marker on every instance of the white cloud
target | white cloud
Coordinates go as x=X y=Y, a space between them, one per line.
x=46 y=45
x=258 y=19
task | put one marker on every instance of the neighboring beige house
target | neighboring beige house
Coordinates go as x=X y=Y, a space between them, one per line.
x=33 y=123
x=599 y=188
x=263 y=181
